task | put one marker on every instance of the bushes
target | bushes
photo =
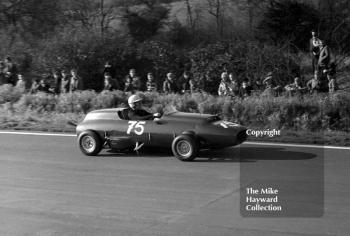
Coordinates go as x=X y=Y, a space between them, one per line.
x=289 y=21
x=245 y=59
x=88 y=52
x=309 y=112
x=8 y=93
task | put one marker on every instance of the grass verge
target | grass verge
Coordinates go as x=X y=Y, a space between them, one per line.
x=58 y=122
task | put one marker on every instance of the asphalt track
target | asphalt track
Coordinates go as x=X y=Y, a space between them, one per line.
x=47 y=187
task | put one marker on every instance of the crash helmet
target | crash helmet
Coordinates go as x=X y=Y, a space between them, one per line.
x=134 y=98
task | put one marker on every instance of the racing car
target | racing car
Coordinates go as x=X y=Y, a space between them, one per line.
x=185 y=133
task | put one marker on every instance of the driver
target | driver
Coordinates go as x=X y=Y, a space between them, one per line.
x=135 y=111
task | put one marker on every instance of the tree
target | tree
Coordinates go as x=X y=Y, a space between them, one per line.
x=216 y=9
x=30 y=18
x=145 y=23
x=253 y=8
x=93 y=15
x=335 y=26
x=289 y=22
x=190 y=21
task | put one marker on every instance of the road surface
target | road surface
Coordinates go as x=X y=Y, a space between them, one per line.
x=48 y=187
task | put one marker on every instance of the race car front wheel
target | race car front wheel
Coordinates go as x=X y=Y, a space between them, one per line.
x=185 y=148
x=90 y=144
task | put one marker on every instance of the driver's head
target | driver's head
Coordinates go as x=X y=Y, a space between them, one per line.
x=135 y=101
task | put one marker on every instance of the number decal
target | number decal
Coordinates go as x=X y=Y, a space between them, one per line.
x=227 y=124
x=139 y=127
x=131 y=126
x=136 y=126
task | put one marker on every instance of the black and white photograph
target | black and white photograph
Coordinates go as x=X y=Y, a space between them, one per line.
x=174 y=117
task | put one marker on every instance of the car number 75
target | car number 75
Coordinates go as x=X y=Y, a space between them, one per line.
x=136 y=126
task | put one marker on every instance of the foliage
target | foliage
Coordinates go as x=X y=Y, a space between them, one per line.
x=10 y=94
x=245 y=59
x=308 y=112
x=30 y=19
x=145 y=24
x=335 y=27
x=289 y=21
x=84 y=34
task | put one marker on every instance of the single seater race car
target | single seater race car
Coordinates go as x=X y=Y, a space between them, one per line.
x=184 y=133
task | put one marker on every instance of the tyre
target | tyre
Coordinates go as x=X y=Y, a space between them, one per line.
x=90 y=143
x=185 y=147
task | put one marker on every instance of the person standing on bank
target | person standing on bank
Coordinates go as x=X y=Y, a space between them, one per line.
x=10 y=71
x=133 y=80
x=21 y=84
x=169 y=84
x=151 y=86
x=76 y=83
x=108 y=68
x=65 y=82
x=57 y=82
x=223 y=89
x=314 y=49
x=325 y=57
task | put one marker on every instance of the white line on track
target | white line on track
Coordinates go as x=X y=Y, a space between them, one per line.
x=246 y=143
x=38 y=134
x=296 y=145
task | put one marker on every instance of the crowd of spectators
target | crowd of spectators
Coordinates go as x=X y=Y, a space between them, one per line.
x=60 y=82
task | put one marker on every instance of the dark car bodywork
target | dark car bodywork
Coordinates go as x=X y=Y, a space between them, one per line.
x=209 y=131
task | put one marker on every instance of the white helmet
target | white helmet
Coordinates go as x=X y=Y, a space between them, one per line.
x=134 y=98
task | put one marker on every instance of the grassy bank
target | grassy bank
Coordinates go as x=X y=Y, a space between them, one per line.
x=58 y=122
x=320 y=119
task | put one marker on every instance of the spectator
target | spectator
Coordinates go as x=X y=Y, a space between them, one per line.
x=187 y=83
x=65 y=82
x=134 y=80
x=108 y=82
x=35 y=86
x=2 y=75
x=136 y=83
x=169 y=85
x=257 y=86
x=270 y=86
x=128 y=87
x=313 y=85
x=21 y=84
x=76 y=83
x=246 y=88
x=332 y=83
x=314 y=49
x=325 y=56
x=57 y=80
x=199 y=84
x=332 y=69
x=295 y=87
x=233 y=85
x=223 y=86
x=151 y=86
x=108 y=68
x=10 y=71
x=44 y=86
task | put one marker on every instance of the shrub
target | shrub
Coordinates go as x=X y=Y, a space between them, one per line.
x=246 y=59
x=289 y=21
x=39 y=102
x=8 y=93
x=308 y=112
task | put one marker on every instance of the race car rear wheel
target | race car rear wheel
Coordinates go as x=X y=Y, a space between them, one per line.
x=90 y=143
x=185 y=148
